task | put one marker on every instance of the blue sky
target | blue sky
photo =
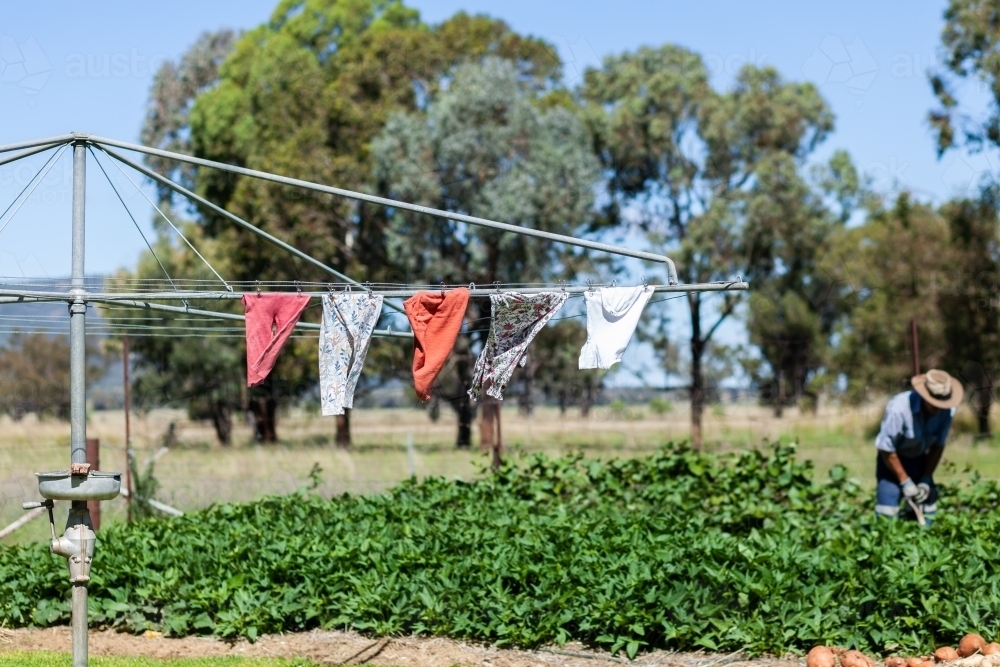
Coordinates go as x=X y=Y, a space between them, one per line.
x=67 y=66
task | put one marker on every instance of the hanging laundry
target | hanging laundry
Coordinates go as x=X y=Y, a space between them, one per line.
x=612 y=316
x=517 y=319
x=270 y=319
x=344 y=336
x=436 y=318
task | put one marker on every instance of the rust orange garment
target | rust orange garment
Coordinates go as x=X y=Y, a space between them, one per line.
x=270 y=319
x=436 y=320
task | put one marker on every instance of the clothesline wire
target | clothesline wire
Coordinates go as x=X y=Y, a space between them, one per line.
x=49 y=326
x=38 y=178
x=132 y=218
x=106 y=321
x=172 y=225
x=63 y=318
x=111 y=283
x=28 y=184
x=564 y=317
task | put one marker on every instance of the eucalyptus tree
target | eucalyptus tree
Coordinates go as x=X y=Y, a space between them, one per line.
x=303 y=95
x=971 y=41
x=713 y=176
x=495 y=144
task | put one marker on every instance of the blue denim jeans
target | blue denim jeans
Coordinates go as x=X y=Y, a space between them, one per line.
x=889 y=493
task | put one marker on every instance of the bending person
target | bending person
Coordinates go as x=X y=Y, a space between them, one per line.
x=910 y=444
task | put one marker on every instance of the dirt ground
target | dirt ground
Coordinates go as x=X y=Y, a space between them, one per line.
x=346 y=648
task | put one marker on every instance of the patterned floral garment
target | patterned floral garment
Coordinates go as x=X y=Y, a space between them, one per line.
x=344 y=336
x=517 y=319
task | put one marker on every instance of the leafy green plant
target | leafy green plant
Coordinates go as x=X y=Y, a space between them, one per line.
x=680 y=550
x=618 y=409
x=661 y=406
x=144 y=487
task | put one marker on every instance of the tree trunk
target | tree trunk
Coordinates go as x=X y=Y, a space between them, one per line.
x=498 y=443
x=487 y=424
x=983 y=403
x=586 y=400
x=490 y=433
x=265 y=417
x=344 y=429
x=526 y=402
x=222 y=420
x=697 y=373
x=464 y=407
x=779 y=396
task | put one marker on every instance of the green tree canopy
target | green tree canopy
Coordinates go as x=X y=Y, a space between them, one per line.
x=303 y=95
x=969 y=308
x=34 y=374
x=488 y=145
x=971 y=41
x=716 y=176
x=884 y=273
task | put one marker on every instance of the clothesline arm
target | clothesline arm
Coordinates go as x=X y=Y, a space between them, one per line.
x=181 y=190
x=29 y=153
x=384 y=201
x=47 y=141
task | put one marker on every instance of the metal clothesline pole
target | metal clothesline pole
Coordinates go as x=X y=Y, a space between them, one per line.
x=384 y=201
x=79 y=512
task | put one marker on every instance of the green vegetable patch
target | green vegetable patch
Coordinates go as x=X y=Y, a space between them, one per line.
x=679 y=550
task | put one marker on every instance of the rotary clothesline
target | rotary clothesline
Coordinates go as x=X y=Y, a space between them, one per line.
x=102 y=144
x=518 y=311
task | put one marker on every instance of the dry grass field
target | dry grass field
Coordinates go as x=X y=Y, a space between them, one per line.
x=194 y=471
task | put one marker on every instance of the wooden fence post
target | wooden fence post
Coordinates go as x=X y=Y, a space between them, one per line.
x=94 y=459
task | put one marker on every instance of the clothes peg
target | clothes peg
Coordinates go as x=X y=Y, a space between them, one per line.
x=298 y=286
x=258 y=289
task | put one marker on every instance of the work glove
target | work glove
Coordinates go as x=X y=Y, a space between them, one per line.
x=925 y=489
x=923 y=493
x=910 y=490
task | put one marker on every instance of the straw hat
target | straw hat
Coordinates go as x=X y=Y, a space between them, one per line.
x=938 y=388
